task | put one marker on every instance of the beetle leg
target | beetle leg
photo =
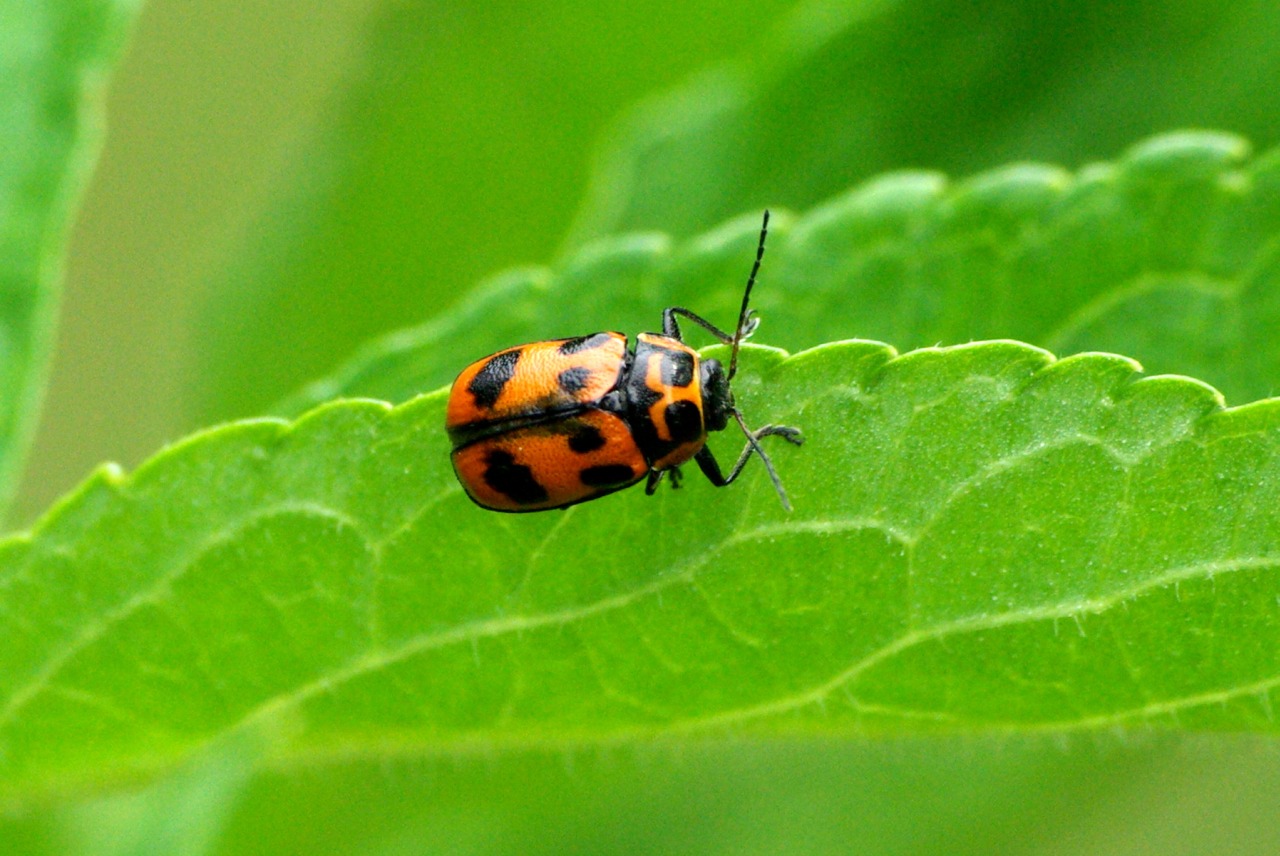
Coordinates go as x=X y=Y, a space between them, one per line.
x=711 y=467
x=671 y=328
x=656 y=476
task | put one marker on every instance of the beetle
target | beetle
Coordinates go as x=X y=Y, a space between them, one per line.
x=558 y=422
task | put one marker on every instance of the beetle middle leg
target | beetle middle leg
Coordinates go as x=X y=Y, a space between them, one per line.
x=656 y=476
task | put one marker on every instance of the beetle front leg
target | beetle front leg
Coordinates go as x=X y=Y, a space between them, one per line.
x=711 y=467
x=671 y=327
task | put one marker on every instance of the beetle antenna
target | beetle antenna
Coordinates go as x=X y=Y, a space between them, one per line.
x=745 y=325
x=768 y=464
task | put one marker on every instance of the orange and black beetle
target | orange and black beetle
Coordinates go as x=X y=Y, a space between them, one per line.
x=563 y=421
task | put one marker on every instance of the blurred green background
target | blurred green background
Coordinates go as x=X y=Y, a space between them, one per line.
x=283 y=181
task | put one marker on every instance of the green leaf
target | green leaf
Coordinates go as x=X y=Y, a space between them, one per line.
x=392 y=213
x=453 y=150
x=844 y=91
x=53 y=58
x=983 y=539
x=1171 y=255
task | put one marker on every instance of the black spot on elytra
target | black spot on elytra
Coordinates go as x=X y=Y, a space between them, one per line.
x=684 y=421
x=606 y=475
x=676 y=368
x=584 y=343
x=574 y=379
x=586 y=439
x=488 y=383
x=504 y=475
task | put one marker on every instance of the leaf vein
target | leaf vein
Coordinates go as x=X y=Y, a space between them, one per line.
x=151 y=594
x=973 y=624
x=380 y=659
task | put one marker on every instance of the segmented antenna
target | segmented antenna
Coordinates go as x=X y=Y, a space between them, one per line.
x=746 y=320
